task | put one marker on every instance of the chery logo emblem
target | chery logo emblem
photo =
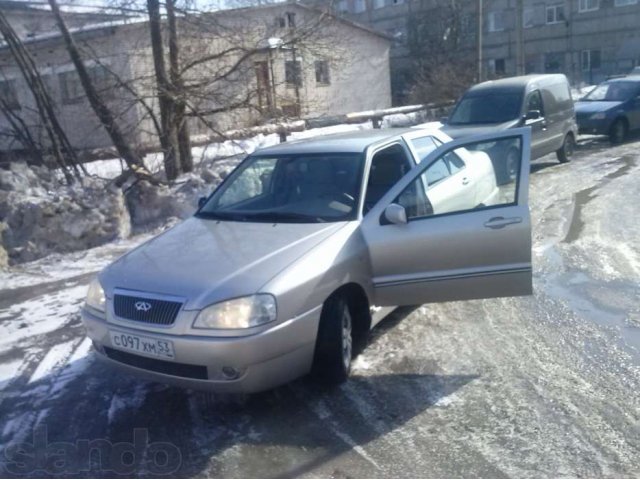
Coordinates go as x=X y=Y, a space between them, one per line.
x=142 y=306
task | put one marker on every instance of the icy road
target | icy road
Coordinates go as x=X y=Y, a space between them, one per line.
x=547 y=385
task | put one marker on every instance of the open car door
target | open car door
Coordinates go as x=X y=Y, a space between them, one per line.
x=430 y=239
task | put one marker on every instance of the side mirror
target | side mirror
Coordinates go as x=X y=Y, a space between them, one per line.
x=444 y=120
x=395 y=214
x=201 y=202
x=533 y=115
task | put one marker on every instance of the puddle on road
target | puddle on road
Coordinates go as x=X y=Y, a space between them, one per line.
x=607 y=304
x=583 y=197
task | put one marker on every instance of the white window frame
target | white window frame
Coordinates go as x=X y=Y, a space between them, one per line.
x=586 y=66
x=583 y=5
x=624 y=3
x=491 y=21
x=555 y=8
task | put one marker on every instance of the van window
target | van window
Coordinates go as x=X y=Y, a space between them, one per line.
x=487 y=107
x=534 y=102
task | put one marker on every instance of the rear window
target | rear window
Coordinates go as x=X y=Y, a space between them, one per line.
x=487 y=107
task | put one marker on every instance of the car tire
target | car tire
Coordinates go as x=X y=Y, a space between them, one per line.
x=618 y=131
x=334 y=344
x=565 y=152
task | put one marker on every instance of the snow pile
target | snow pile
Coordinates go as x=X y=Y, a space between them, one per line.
x=38 y=215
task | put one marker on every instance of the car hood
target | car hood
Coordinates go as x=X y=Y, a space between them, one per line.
x=594 y=107
x=206 y=261
x=460 y=131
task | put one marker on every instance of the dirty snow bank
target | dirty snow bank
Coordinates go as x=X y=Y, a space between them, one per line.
x=39 y=215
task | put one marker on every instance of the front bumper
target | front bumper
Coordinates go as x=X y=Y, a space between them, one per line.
x=587 y=126
x=262 y=361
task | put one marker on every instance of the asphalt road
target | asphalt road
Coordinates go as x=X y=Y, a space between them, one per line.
x=541 y=386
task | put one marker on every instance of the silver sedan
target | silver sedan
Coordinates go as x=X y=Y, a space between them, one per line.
x=283 y=269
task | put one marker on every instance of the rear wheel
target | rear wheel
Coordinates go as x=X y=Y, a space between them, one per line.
x=334 y=345
x=618 y=131
x=565 y=152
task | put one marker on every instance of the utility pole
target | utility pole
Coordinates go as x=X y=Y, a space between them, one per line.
x=519 y=38
x=480 y=22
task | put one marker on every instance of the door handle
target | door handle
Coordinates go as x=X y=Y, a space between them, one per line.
x=501 y=222
x=465 y=181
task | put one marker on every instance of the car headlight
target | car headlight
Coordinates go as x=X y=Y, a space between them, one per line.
x=95 y=296
x=599 y=116
x=245 y=312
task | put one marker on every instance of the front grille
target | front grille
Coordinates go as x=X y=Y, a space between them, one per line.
x=147 y=310
x=185 y=370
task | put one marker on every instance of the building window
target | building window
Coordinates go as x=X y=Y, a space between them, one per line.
x=588 y=5
x=378 y=3
x=359 y=6
x=322 y=72
x=72 y=90
x=554 y=62
x=623 y=3
x=555 y=14
x=497 y=66
x=9 y=95
x=293 y=73
x=398 y=2
x=291 y=19
x=590 y=60
x=528 y=17
x=343 y=6
x=496 y=21
x=281 y=22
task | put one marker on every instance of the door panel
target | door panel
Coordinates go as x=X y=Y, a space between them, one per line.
x=470 y=252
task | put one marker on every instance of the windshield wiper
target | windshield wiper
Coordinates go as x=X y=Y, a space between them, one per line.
x=237 y=217
x=283 y=217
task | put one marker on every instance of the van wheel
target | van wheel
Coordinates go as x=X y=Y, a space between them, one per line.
x=565 y=152
x=618 y=131
x=334 y=344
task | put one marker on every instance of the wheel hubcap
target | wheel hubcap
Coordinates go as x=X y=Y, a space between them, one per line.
x=568 y=148
x=347 y=341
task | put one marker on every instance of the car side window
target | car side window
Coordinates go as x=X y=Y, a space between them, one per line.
x=534 y=102
x=437 y=172
x=423 y=146
x=454 y=162
x=387 y=167
x=481 y=175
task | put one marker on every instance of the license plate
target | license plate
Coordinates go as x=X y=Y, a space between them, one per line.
x=146 y=345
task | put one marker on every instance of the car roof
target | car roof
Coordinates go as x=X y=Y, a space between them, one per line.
x=517 y=83
x=345 y=142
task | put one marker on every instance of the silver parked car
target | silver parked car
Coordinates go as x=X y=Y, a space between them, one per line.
x=280 y=270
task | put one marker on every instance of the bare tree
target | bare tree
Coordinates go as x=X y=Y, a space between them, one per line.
x=63 y=152
x=102 y=111
x=439 y=39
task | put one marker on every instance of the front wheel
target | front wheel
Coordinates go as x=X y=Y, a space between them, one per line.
x=565 y=152
x=334 y=344
x=618 y=131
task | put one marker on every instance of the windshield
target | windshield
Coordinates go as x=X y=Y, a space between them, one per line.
x=304 y=188
x=491 y=107
x=613 y=92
